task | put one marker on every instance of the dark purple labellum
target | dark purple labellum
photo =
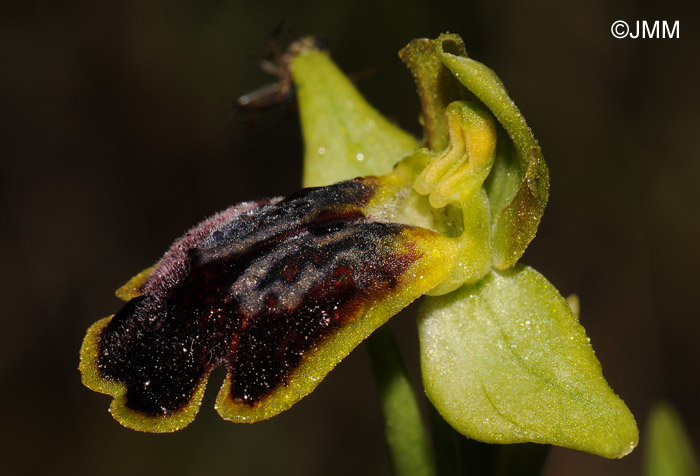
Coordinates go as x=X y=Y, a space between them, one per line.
x=253 y=289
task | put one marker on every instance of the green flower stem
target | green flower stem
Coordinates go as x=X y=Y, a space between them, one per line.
x=668 y=451
x=411 y=453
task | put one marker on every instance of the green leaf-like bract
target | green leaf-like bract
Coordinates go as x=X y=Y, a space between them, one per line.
x=506 y=361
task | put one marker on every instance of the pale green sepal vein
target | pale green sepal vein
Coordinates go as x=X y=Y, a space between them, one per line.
x=506 y=361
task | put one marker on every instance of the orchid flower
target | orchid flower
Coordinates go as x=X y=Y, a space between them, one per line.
x=278 y=291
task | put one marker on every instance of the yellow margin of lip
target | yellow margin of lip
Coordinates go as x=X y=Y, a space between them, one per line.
x=124 y=415
x=132 y=288
x=422 y=275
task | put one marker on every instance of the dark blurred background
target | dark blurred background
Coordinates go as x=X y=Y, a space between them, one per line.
x=118 y=132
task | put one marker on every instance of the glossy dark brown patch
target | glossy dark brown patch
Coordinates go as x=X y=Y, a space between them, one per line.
x=257 y=293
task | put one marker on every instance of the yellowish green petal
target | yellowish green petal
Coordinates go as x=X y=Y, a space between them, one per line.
x=437 y=88
x=519 y=188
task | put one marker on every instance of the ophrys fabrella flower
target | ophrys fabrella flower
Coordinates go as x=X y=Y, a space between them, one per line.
x=278 y=291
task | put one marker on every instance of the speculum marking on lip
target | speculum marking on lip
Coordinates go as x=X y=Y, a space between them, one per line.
x=255 y=295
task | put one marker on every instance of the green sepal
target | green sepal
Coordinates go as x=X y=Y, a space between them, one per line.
x=517 y=205
x=344 y=137
x=506 y=361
